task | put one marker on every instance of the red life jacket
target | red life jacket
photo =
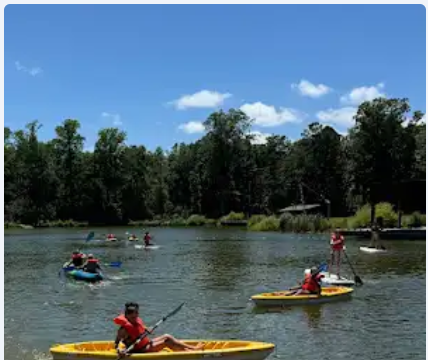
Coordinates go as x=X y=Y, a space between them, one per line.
x=311 y=283
x=337 y=242
x=133 y=330
x=93 y=260
x=77 y=256
x=147 y=238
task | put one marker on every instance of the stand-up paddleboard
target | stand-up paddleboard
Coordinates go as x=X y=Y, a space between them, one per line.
x=151 y=247
x=333 y=279
x=372 y=250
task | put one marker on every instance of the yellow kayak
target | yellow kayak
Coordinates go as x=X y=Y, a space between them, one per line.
x=213 y=349
x=281 y=298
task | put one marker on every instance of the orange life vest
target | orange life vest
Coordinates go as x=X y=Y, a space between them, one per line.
x=311 y=283
x=133 y=330
x=337 y=242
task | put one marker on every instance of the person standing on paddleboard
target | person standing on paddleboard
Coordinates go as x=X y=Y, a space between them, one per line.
x=337 y=245
x=375 y=238
x=147 y=239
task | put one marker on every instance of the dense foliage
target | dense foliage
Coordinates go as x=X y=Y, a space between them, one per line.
x=222 y=172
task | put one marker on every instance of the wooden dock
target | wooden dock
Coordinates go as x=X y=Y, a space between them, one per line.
x=389 y=233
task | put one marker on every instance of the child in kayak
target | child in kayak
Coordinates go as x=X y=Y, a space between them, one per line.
x=92 y=265
x=311 y=284
x=77 y=259
x=131 y=327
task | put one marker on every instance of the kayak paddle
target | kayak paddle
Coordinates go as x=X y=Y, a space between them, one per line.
x=147 y=332
x=116 y=264
x=357 y=279
x=323 y=268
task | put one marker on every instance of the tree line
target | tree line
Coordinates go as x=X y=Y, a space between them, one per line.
x=378 y=160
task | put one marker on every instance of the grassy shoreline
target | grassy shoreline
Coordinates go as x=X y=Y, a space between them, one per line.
x=304 y=223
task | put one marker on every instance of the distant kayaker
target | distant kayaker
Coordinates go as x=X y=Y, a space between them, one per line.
x=337 y=245
x=131 y=327
x=147 y=239
x=92 y=265
x=311 y=284
x=110 y=236
x=77 y=259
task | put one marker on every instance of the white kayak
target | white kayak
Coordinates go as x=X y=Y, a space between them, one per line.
x=372 y=250
x=333 y=279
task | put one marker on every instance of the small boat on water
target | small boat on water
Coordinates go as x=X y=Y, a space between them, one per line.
x=79 y=274
x=132 y=238
x=111 y=239
x=372 y=250
x=286 y=298
x=213 y=349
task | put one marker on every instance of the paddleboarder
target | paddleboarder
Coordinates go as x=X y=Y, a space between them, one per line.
x=147 y=239
x=337 y=246
x=375 y=238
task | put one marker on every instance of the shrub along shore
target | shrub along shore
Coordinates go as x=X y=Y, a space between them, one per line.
x=302 y=223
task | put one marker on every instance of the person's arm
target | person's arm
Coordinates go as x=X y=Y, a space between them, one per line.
x=121 y=335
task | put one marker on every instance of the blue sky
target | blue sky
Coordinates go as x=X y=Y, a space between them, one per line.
x=158 y=71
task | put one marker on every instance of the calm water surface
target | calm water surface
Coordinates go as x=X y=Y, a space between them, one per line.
x=215 y=272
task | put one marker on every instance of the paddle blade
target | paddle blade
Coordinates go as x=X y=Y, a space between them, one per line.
x=115 y=264
x=358 y=280
x=323 y=268
x=90 y=236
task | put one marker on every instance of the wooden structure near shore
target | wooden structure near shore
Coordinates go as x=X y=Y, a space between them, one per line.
x=388 y=234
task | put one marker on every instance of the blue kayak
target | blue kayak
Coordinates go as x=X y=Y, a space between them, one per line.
x=79 y=274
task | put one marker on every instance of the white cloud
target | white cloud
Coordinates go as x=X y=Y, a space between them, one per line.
x=192 y=127
x=406 y=122
x=308 y=89
x=34 y=71
x=268 y=116
x=115 y=118
x=201 y=99
x=365 y=93
x=342 y=116
x=259 y=138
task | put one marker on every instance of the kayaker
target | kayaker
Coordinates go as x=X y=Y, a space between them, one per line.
x=92 y=265
x=311 y=283
x=77 y=259
x=131 y=327
x=110 y=236
x=337 y=246
x=147 y=239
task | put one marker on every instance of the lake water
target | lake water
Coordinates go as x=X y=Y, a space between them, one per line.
x=215 y=272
